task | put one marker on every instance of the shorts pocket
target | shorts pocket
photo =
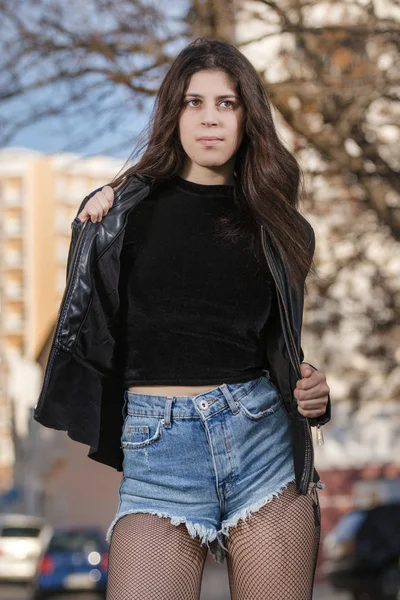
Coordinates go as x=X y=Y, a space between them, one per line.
x=139 y=431
x=262 y=401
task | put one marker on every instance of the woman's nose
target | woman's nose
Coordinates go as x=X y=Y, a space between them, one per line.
x=209 y=116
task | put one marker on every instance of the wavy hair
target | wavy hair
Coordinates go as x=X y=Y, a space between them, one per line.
x=268 y=178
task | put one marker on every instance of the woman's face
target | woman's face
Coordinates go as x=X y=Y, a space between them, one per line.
x=211 y=108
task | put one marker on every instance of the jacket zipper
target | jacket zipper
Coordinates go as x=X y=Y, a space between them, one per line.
x=58 y=320
x=309 y=439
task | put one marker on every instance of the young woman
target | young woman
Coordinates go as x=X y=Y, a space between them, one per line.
x=177 y=353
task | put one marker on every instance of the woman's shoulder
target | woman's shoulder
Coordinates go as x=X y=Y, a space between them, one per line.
x=123 y=182
x=129 y=182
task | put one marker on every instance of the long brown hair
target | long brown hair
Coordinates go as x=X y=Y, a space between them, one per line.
x=268 y=178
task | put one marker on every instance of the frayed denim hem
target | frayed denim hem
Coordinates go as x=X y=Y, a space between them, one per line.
x=207 y=536
x=215 y=539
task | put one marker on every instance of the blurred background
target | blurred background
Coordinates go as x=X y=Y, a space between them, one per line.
x=77 y=84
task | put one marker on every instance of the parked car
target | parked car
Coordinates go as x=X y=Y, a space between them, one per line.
x=22 y=539
x=362 y=553
x=75 y=560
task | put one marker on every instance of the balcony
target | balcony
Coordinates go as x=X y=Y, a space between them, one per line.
x=11 y=198
x=12 y=228
x=12 y=259
x=11 y=324
x=13 y=291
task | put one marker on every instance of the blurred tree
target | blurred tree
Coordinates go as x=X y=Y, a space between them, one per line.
x=98 y=61
x=335 y=79
x=212 y=18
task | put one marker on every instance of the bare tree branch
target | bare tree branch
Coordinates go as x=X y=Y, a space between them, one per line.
x=331 y=78
x=125 y=47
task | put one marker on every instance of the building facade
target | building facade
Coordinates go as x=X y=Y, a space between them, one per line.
x=39 y=197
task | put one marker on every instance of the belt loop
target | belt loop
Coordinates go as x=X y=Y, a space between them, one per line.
x=125 y=402
x=167 y=411
x=232 y=403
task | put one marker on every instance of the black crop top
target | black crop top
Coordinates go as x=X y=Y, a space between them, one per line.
x=193 y=305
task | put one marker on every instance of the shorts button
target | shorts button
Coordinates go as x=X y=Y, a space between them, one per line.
x=203 y=404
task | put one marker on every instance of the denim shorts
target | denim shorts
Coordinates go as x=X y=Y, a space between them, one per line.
x=208 y=460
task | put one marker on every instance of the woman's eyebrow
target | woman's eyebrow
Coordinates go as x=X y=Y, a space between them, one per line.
x=218 y=97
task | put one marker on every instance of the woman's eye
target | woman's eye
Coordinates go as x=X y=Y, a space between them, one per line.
x=230 y=102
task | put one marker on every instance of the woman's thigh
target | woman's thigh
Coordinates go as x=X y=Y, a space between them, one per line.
x=151 y=558
x=273 y=554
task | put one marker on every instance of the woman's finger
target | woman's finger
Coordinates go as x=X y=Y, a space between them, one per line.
x=311 y=413
x=105 y=201
x=108 y=194
x=308 y=382
x=98 y=206
x=318 y=391
x=318 y=403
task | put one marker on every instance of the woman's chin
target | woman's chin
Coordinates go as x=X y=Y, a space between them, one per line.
x=211 y=164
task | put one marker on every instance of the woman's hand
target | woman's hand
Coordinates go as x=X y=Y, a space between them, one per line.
x=98 y=206
x=311 y=392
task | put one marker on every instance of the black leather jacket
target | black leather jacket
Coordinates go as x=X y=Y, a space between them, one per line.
x=81 y=392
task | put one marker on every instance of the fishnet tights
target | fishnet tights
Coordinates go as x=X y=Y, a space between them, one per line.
x=150 y=559
x=271 y=554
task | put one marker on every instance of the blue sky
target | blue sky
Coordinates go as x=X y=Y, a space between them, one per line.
x=73 y=132
x=59 y=135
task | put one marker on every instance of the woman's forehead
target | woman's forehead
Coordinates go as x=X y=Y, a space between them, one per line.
x=209 y=80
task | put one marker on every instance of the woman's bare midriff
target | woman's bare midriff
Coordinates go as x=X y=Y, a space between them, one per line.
x=172 y=390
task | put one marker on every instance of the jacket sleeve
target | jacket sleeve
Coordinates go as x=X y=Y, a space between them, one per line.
x=76 y=227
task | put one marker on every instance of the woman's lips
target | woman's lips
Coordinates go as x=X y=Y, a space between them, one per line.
x=209 y=142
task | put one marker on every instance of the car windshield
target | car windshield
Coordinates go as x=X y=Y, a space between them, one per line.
x=74 y=541
x=349 y=525
x=20 y=532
